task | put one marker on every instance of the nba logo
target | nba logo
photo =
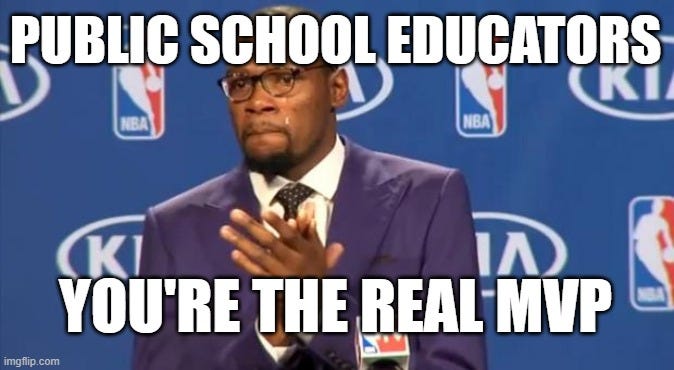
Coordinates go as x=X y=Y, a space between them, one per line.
x=651 y=253
x=138 y=101
x=368 y=345
x=480 y=100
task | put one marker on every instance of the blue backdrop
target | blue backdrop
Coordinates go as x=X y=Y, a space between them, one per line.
x=571 y=171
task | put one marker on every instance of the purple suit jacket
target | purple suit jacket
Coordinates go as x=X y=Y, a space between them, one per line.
x=396 y=217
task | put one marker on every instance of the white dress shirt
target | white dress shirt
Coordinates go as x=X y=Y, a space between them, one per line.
x=323 y=179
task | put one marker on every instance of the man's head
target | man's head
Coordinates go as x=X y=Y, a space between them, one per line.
x=284 y=116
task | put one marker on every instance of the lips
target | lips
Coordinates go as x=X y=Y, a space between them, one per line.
x=260 y=134
x=252 y=133
x=265 y=129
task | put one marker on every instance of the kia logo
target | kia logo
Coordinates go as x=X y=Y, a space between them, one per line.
x=363 y=99
x=99 y=246
x=17 y=97
x=641 y=93
x=510 y=245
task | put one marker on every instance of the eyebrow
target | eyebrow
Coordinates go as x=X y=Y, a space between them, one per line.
x=230 y=73
x=234 y=72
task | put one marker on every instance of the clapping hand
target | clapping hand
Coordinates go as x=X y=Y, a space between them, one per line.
x=296 y=252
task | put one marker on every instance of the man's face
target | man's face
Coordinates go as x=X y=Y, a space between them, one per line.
x=278 y=132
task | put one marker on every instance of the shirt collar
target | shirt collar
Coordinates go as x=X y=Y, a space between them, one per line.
x=323 y=178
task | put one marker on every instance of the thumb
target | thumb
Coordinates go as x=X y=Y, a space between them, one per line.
x=332 y=254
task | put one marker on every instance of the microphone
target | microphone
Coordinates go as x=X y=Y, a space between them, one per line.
x=382 y=351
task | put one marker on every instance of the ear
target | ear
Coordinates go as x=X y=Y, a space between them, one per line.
x=339 y=88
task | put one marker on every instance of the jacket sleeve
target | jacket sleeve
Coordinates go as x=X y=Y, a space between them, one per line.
x=337 y=351
x=160 y=350
x=169 y=350
x=247 y=352
x=451 y=251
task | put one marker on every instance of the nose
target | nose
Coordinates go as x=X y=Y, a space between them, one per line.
x=260 y=101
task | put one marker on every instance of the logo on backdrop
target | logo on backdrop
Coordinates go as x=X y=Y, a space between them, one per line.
x=138 y=101
x=651 y=253
x=480 y=94
x=108 y=247
x=629 y=91
x=516 y=246
x=22 y=87
x=363 y=84
x=508 y=245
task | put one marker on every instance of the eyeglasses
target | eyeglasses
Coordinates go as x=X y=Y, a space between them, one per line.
x=277 y=81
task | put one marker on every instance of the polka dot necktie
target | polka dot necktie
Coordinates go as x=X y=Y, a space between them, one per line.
x=291 y=196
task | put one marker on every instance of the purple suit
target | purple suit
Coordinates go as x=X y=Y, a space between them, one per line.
x=396 y=218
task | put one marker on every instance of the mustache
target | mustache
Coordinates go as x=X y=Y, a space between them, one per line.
x=263 y=127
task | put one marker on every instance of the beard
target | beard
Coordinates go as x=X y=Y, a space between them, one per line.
x=276 y=164
x=271 y=164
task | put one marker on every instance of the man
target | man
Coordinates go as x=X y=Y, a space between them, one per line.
x=306 y=203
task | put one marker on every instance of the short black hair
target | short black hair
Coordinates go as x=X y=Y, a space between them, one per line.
x=287 y=10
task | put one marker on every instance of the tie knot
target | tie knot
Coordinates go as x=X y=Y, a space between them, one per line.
x=291 y=196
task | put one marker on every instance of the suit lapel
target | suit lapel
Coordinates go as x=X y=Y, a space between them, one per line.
x=365 y=200
x=235 y=191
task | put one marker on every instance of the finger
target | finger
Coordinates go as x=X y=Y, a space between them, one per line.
x=253 y=251
x=247 y=265
x=310 y=208
x=301 y=220
x=289 y=235
x=259 y=233
x=311 y=236
x=332 y=254
x=312 y=233
x=307 y=213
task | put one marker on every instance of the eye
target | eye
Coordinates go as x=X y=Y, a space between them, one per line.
x=237 y=83
x=281 y=78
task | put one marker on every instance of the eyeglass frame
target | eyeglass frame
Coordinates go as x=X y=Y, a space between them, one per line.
x=295 y=71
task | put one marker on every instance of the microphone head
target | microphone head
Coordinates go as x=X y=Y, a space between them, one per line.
x=382 y=351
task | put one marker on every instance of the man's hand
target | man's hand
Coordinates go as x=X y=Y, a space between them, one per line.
x=297 y=252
